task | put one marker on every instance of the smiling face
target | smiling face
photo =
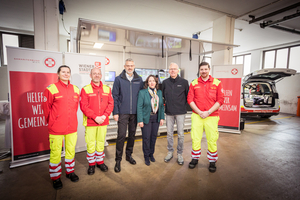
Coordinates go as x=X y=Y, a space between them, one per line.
x=151 y=82
x=129 y=67
x=204 y=71
x=96 y=76
x=64 y=74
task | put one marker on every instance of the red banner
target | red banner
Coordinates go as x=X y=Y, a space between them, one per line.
x=230 y=111
x=28 y=122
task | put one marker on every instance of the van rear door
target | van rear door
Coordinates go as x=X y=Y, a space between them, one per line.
x=269 y=74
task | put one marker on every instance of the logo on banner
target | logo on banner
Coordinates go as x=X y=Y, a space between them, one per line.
x=98 y=64
x=234 y=71
x=107 y=61
x=49 y=62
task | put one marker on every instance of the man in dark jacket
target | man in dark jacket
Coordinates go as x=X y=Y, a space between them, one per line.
x=125 y=93
x=175 y=90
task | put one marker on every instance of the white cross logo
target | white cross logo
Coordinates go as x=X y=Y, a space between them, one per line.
x=234 y=71
x=49 y=62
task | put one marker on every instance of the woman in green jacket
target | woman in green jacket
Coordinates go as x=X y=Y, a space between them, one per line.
x=150 y=114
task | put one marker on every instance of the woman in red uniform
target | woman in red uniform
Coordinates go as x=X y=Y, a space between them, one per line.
x=60 y=108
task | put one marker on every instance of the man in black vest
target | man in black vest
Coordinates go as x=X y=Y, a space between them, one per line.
x=175 y=90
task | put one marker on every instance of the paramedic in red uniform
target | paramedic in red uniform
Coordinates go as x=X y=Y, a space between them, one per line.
x=96 y=103
x=205 y=97
x=60 y=108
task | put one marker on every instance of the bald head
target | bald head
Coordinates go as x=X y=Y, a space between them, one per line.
x=96 y=76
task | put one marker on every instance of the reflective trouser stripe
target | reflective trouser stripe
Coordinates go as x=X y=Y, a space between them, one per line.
x=210 y=125
x=55 y=170
x=91 y=158
x=196 y=154
x=99 y=157
x=212 y=157
x=69 y=164
x=56 y=142
x=95 y=134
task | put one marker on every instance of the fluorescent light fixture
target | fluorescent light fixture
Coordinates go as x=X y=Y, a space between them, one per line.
x=98 y=45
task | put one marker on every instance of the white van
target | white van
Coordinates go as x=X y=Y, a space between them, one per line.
x=259 y=96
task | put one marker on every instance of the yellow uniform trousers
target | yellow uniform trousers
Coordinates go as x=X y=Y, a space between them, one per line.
x=56 y=142
x=210 y=126
x=95 y=139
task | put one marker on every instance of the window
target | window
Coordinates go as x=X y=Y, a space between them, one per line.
x=294 y=58
x=287 y=57
x=14 y=40
x=8 y=40
x=281 y=58
x=244 y=60
x=269 y=59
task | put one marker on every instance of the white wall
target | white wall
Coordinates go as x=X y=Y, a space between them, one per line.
x=289 y=89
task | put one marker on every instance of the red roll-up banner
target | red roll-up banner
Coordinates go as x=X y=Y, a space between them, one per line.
x=229 y=112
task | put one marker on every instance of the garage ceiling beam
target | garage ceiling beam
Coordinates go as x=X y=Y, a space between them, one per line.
x=286 y=29
x=273 y=13
x=284 y=19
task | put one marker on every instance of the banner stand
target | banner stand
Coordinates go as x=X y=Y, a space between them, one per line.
x=30 y=71
x=230 y=112
x=226 y=130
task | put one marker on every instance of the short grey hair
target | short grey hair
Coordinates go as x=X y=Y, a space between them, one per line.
x=172 y=63
x=129 y=60
x=96 y=68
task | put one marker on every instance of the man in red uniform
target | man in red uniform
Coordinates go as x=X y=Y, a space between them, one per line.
x=96 y=104
x=205 y=97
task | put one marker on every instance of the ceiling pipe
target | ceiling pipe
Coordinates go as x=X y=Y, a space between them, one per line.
x=285 y=29
x=273 y=13
x=284 y=19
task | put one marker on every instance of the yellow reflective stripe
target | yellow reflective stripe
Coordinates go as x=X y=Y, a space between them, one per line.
x=76 y=89
x=53 y=89
x=105 y=89
x=216 y=82
x=195 y=82
x=84 y=120
x=88 y=89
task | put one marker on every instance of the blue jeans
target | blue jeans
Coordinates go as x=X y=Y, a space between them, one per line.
x=170 y=120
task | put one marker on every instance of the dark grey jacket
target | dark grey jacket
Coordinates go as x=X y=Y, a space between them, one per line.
x=125 y=93
x=175 y=93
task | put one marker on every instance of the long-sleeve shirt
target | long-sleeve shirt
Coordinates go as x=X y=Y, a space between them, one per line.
x=60 y=108
x=206 y=93
x=96 y=101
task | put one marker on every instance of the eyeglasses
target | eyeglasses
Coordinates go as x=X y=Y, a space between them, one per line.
x=129 y=65
x=173 y=69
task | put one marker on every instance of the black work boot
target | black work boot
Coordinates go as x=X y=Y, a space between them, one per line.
x=103 y=167
x=212 y=167
x=91 y=170
x=118 y=166
x=57 y=184
x=73 y=177
x=193 y=163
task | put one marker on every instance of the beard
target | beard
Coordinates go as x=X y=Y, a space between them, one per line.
x=129 y=72
x=204 y=75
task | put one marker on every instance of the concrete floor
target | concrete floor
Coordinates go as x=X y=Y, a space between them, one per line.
x=261 y=163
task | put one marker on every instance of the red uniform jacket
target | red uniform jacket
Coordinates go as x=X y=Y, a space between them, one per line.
x=206 y=94
x=60 y=108
x=96 y=101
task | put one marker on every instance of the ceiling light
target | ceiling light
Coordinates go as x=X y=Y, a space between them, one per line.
x=98 y=45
